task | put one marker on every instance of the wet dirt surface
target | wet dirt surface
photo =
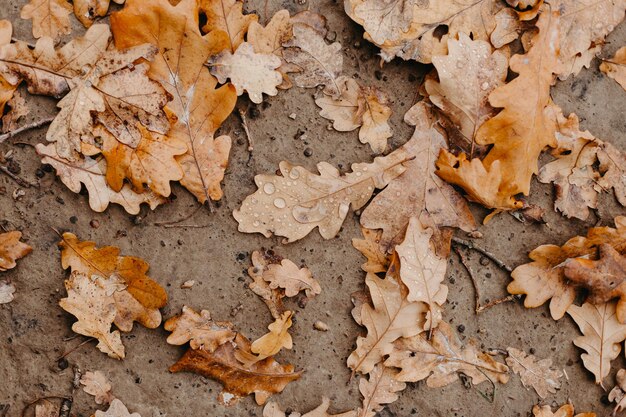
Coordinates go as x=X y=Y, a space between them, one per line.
x=35 y=332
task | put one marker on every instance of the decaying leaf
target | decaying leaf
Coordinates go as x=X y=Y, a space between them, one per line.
x=278 y=338
x=467 y=75
x=370 y=247
x=292 y=279
x=137 y=297
x=618 y=393
x=297 y=201
x=46 y=408
x=98 y=385
x=17 y=110
x=227 y=16
x=199 y=330
x=418 y=191
x=615 y=67
x=518 y=133
x=613 y=170
x=116 y=409
x=93 y=306
x=566 y=410
x=86 y=11
x=544 y=278
x=601 y=339
x=261 y=260
x=7 y=290
x=7 y=89
x=179 y=65
x=50 y=17
x=11 y=249
x=422 y=270
x=380 y=389
x=441 y=359
x=272 y=409
x=604 y=278
x=248 y=71
x=534 y=373
x=261 y=378
x=375 y=129
x=390 y=317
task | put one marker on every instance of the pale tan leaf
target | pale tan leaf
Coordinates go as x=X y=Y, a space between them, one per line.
x=618 y=393
x=375 y=129
x=248 y=71
x=272 y=409
x=297 y=201
x=566 y=410
x=270 y=40
x=613 y=170
x=11 y=249
x=86 y=11
x=278 y=338
x=199 y=330
x=441 y=359
x=46 y=408
x=50 y=17
x=292 y=279
x=227 y=16
x=380 y=389
x=261 y=261
x=601 y=339
x=422 y=270
x=116 y=409
x=18 y=109
x=615 y=67
x=346 y=111
x=370 y=247
x=534 y=373
x=7 y=290
x=98 y=385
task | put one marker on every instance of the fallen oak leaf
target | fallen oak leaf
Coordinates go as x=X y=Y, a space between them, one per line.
x=227 y=16
x=50 y=17
x=17 y=110
x=199 y=330
x=261 y=261
x=97 y=384
x=345 y=111
x=375 y=129
x=615 y=67
x=566 y=410
x=618 y=393
x=292 y=279
x=613 y=170
x=270 y=39
x=116 y=409
x=7 y=290
x=272 y=409
x=262 y=378
x=248 y=71
x=46 y=408
x=370 y=247
x=380 y=389
x=86 y=11
x=535 y=373
x=11 y=249
x=302 y=201
x=602 y=335
x=278 y=338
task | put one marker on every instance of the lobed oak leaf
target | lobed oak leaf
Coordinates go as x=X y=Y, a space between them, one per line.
x=390 y=317
x=601 y=339
x=7 y=89
x=91 y=173
x=566 y=410
x=346 y=111
x=618 y=393
x=534 y=373
x=278 y=338
x=7 y=289
x=227 y=16
x=422 y=270
x=199 y=330
x=88 y=300
x=50 y=17
x=261 y=261
x=615 y=67
x=86 y=11
x=544 y=278
x=46 y=408
x=97 y=384
x=370 y=247
x=292 y=279
x=440 y=360
x=270 y=40
x=11 y=249
x=116 y=409
x=375 y=129
x=17 y=109
x=380 y=389
x=272 y=409
x=248 y=71
x=179 y=65
x=262 y=378
x=613 y=170
x=418 y=191
x=297 y=201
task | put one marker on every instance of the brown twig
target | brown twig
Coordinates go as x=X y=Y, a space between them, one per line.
x=73 y=349
x=66 y=404
x=19 y=180
x=34 y=125
x=470 y=245
x=496 y=302
x=182 y=219
x=191 y=226
x=244 y=123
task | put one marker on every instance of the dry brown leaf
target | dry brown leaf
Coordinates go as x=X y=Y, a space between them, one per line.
x=566 y=410
x=116 y=409
x=7 y=290
x=50 y=17
x=467 y=75
x=601 y=339
x=615 y=67
x=46 y=408
x=272 y=409
x=422 y=270
x=418 y=191
x=534 y=373
x=618 y=393
x=93 y=306
x=11 y=249
x=375 y=129
x=249 y=71
x=91 y=173
x=199 y=106
x=370 y=247
x=278 y=338
x=317 y=62
x=261 y=260
x=199 y=330
x=544 y=278
x=380 y=389
x=227 y=16
x=604 y=278
x=389 y=317
x=6 y=88
x=441 y=359
x=17 y=109
x=297 y=201
x=613 y=170
x=98 y=385
x=572 y=172
x=139 y=297
x=262 y=378
x=292 y=279
x=518 y=133
x=86 y=11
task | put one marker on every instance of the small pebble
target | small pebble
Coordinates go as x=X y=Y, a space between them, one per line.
x=94 y=223
x=188 y=284
x=321 y=326
x=73 y=219
x=292 y=116
x=484 y=261
x=308 y=152
x=62 y=363
x=475 y=234
x=460 y=328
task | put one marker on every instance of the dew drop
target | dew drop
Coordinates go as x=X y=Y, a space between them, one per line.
x=343 y=209
x=256 y=223
x=253 y=201
x=280 y=203
x=484 y=86
x=294 y=174
x=358 y=174
x=269 y=188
